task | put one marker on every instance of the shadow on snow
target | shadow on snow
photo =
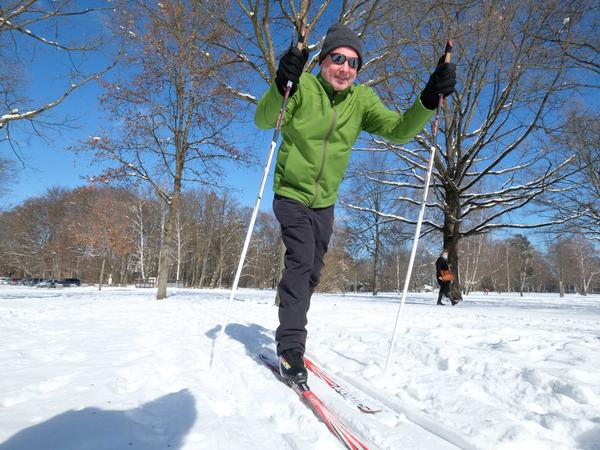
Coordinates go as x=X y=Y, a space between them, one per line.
x=255 y=338
x=160 y=424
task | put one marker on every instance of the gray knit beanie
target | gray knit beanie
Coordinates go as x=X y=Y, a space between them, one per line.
x=339 y=35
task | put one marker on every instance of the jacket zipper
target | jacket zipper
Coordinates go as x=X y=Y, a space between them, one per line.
x=325 y=141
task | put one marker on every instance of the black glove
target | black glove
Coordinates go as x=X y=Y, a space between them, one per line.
x=442 y=81
x=290 y=68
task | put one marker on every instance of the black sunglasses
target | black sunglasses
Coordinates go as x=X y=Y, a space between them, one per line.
x=340 y=59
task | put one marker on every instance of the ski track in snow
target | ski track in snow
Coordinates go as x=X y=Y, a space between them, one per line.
x=90 y=370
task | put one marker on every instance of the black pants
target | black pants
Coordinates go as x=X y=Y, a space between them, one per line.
x=444 y=290
x=305 y=232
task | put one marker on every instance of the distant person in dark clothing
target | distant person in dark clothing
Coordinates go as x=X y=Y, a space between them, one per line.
x=442 y=269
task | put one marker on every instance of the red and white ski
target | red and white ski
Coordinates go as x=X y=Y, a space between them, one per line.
x=337 y=387
x=335 y=425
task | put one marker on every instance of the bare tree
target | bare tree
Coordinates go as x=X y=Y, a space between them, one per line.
x=581 y=46
x=263 y=29
x=494 y=158
x=30 y=27
x=26 y=233
x=470 y=255
x=263 y=263
x=143 y=216
x=522 y=254
x=587 y=263
x=581 y=196
x=137 y=217
x=371 y=232
x=97 y=227
x=206 y=233
x=171 y=116
x=561 y=259
x=229 y=230
x=337 y=274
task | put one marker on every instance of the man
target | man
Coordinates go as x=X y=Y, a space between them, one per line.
x=324 y=117
x=442 y=264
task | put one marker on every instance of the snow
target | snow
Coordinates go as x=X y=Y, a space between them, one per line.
x=115 y=369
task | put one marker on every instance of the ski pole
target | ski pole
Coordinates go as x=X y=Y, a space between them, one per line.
x=267 y=167
x=434 y=129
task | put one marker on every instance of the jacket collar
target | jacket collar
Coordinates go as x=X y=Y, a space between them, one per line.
x=333 y=95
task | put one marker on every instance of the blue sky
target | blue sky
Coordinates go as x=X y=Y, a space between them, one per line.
x=48 y=162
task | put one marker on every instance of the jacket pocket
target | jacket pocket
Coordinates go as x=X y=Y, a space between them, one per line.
x=296 y=172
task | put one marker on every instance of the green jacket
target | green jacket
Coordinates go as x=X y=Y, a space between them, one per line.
x=320 y=127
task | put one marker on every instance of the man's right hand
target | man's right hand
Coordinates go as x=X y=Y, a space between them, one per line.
x=441 y=82
x=290 y=68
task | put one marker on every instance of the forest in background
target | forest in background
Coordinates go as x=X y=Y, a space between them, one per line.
x=105 y=234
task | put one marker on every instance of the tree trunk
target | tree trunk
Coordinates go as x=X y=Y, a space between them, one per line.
x=377 y=255
x=467 y=269
x=455 y=290
x=451 y=239
x=376 y=259
x=475 y=264
x=561 y=288
x=215 y=275
x=141 y=249
x=195 y=271
x=203 y=272
x=101 y=273
x=507 y=272
x=178 y=270
x=166 y=251
x=521 y=285
x=398 y=274
x=586 y=285
x=561 y=284
x=204 y=260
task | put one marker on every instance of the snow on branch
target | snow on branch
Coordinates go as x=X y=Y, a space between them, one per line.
x=394 y=216
x=15 y=115
x=472 y=133
x=541 y=181
x=241 y=95
x=397 y=184
x=37 y=37
x=491 y=226
x=503 y=171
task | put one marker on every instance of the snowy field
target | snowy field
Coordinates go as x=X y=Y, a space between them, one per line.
x=111 y=370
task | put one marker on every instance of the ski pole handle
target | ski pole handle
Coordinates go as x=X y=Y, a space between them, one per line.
x=300 y=46
x=288 y=87
x=447 y=58
x=448 y=51
x=301 y=37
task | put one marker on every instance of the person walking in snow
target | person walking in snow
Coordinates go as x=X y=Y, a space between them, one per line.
x=324 y=116
x=444 y=277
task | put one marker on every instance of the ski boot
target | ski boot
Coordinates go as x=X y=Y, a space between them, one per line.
x=291 y=367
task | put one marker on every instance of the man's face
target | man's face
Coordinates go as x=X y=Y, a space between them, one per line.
x=339 y=76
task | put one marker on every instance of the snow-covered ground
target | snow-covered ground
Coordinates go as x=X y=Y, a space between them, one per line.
x=82 y=370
